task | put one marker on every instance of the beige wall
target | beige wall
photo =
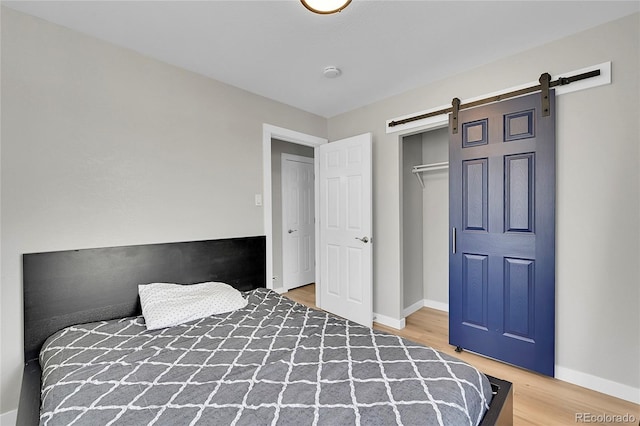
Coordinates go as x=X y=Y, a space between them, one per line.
x=102 y=146
x=598 y=195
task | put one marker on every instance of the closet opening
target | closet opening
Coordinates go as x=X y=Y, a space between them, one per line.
x=425 y=220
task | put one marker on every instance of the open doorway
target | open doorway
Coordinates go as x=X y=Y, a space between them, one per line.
x=275 y=142
x=343 y=170
x=293 y=214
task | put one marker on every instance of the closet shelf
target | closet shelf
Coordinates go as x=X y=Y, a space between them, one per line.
x=428 y=168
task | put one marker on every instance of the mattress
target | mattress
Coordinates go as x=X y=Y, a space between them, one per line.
x=273 y=362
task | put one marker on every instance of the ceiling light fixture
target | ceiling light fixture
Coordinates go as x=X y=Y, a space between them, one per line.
x=325 y=7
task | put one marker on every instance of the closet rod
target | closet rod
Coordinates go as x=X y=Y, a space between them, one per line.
x=427 y=168
x=432 y=166
x=562 y=81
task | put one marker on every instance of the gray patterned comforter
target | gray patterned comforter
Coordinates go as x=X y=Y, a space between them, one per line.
x=273 y=362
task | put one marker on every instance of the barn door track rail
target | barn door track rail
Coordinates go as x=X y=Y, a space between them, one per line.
x=545 y=85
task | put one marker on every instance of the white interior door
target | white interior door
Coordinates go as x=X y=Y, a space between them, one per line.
x=345 y=225
x=298 y=221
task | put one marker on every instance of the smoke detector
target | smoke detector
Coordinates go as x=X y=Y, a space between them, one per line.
x=331 y=72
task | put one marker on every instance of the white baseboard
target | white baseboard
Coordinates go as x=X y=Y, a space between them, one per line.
x=389 y=322
x=433 y=304
x=598 y=384
x=413 y=308
x=8 y=418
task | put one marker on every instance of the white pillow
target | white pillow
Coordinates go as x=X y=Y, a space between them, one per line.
x=167 y=305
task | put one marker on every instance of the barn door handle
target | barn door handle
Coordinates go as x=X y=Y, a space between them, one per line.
x=291 y=231
x=363 y=239
x=453 y=240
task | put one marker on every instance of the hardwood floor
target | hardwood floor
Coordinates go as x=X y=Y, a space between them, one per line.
x=538 y=400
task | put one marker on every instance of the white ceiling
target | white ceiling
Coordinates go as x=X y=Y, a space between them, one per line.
x=278 y=49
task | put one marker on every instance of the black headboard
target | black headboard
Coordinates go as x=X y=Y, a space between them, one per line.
x=78 y=286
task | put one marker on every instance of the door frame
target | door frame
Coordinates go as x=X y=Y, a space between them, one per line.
x=300 y=159
x=274 y=132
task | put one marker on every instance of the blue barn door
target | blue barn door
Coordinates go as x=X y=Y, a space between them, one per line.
x=502 y=219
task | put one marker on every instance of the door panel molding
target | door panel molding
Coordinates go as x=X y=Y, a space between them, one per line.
x=346 y=223
x=502 y=202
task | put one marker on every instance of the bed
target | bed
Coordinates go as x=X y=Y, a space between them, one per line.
x=89 y=359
